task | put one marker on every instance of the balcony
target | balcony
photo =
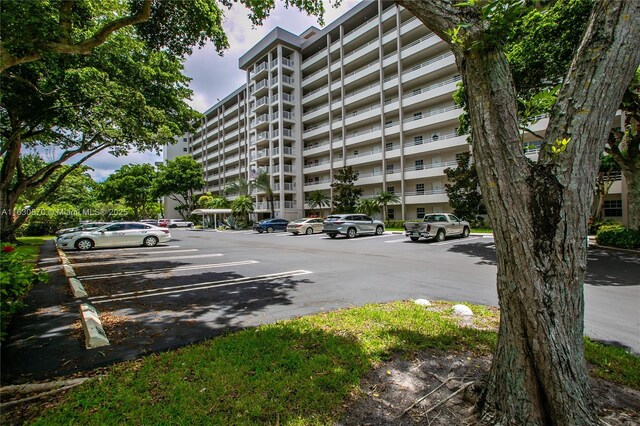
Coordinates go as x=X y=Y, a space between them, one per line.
x=286 y=150
x=286 y=168
x=261 y=67
x=287 y=186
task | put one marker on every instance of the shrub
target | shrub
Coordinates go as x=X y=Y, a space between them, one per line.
x=46 y=220
x=18 y=275
x=618 y=236
x=393 y=223
x=595 y=225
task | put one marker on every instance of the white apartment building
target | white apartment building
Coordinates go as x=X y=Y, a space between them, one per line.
x=373 y=90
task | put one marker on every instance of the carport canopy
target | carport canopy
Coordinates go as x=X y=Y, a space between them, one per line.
x=214 y=212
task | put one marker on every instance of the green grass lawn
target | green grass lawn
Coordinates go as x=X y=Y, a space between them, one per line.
x=296 y=372
x=31 y=245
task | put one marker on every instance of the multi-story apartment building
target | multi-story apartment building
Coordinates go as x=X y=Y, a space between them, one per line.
x=373 y=90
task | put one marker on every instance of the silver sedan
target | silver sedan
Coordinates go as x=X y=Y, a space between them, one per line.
x=307 y=225
x=119 y=234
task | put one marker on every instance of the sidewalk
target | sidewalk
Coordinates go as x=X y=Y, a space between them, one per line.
x=45 y=338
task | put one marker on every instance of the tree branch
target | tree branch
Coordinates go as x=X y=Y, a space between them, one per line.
x=8 y=60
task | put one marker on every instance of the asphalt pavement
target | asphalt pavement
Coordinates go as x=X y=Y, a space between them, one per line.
x=202 y=284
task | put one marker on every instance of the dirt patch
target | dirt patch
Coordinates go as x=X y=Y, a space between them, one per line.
x=394 y=393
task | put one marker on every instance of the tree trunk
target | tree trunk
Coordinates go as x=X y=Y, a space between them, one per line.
x=632 y=177
x=539 y=210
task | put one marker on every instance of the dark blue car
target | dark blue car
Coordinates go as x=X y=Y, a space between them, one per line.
x=270 y=225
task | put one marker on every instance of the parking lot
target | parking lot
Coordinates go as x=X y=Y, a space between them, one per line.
x=204 y=283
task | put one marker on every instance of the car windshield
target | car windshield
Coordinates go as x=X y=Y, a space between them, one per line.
x=332 y=218
x=299 y=221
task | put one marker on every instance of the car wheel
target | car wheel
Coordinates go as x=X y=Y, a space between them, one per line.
x=465 y=232
x=173 y=226
x=351 y=232
x=331 y=235
x=269 y=229
x=379 y=230
x=309 y=231
x=440 y=236
x=150 y=242
x=84 y=244
x=260 y=231
x=191 y=226
x=414 y=238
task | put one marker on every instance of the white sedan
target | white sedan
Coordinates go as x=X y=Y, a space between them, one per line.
x=119 y=234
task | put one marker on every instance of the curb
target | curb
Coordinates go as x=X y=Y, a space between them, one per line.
x=94 y=334
x=598 y=246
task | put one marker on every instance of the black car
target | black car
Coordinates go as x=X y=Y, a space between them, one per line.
x=270 y=225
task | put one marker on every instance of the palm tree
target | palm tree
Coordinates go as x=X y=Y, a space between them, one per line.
x=368 y=206
x=242 y=206
x=319 y=199
x=239 y=186
x=384 y=198
x=218 y=202
x=263 y=183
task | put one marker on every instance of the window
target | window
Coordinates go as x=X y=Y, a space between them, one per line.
x=388 y=123
x=417 y=115
x=391 y=213
x=355 y=152
x=613 y=208
x=417 y=140
x=389 y=168
x=136 y=226
x=435 y=136
x=184 y=149
x=116 y=227
x=420 y=212
x=388 y=146
x=419 y=165
x=420 y=189
x=391 y=189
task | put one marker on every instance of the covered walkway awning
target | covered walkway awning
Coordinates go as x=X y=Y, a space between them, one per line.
x=223 y=212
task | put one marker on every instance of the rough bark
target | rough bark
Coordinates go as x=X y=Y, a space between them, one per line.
x=539 y=210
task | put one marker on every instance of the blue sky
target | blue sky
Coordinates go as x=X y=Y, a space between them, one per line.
x=214 y=77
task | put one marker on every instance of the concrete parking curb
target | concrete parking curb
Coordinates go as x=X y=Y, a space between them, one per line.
x=94 y=334
x=76 y=288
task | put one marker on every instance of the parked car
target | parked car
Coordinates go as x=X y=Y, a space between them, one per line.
x=82 y=227
x=119 y=234
x=352 y=225
x=437 y=226
x=270 y=225
x=307 y=225
x=175 y=223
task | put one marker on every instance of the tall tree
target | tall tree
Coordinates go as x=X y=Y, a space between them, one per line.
x=238 y=187
x=32 y=30
x=263 y=183
x=123 y=97
x=133 y=184
x=319 y=199
x=463 y=191
x=539 y=210
x=345 y=193
x=85 y=77
x=180 y=179
x=384 y=199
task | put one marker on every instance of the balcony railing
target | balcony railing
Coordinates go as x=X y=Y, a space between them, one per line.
x=417 y=92
x=431 y=113
x=427 y=63
x=425 y=192
x=430 y=166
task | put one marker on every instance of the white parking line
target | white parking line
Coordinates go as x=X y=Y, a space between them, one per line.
x=163 y=270
x=137 y=260
x=195 y=287
x=446 y=243
x=76 y=253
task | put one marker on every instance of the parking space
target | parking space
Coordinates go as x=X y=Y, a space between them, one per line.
x=203 y=283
